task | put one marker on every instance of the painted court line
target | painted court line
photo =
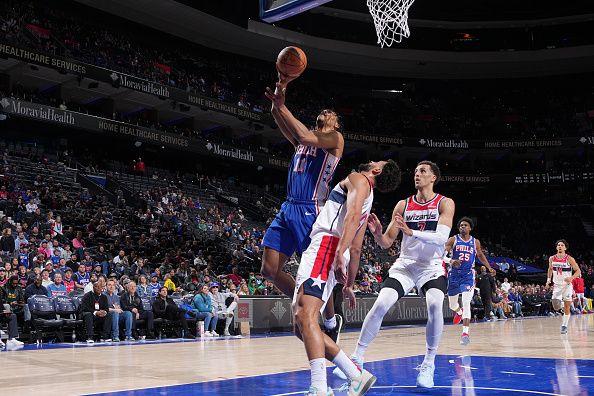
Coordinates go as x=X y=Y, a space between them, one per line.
x=445 y=387
x=515 y=372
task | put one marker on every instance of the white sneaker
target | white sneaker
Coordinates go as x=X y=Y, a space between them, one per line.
x=2 y=345
x=215 y=334
x=207 y=334
x=361 y=385
x=12 y=345
x=338 y=372
x=90 y=341
x=227 y=334
x=425 y=377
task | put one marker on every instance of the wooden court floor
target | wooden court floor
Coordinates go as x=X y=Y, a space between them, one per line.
x=84 y=370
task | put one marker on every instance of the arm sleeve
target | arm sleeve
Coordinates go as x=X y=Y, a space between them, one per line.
x=439 y=237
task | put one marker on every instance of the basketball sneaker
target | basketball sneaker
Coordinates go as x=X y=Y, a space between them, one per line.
x=2 y=345
x=315 y=392
x=563 y=329
x=360 y=386
x=425 y=377
x=465 y=339
x=335 y=332
x=14 y=344
x=338 y=372
x=458 y=317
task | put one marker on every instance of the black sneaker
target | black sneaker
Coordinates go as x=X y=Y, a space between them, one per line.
x=335 y=332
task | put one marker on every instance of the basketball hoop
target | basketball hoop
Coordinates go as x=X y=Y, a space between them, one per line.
x=391 y=20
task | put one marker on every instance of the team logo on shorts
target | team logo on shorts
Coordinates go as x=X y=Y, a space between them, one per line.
x=467 y=287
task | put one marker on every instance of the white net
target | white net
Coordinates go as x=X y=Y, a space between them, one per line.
x=391 y=20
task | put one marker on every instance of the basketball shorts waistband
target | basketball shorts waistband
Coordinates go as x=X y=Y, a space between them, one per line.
x=297 y=201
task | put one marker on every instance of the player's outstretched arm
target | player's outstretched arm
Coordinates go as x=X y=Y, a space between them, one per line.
x=386 y=239
x=444 y=226
x=357 y=188
x=576 y=270
x=278 y=99
x=355 y=257
x=482 y=258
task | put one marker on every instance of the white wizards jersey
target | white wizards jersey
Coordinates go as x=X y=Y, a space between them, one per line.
x=561 y=269
x=422 y=217
x=330 y=221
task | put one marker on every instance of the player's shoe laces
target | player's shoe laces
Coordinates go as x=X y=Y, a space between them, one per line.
x=335 y=332
x=563 y=329
x=315 y=392
x=360 y=385
x=465 y=339
x=425 y=377
x=458 y=317
x=338 y=372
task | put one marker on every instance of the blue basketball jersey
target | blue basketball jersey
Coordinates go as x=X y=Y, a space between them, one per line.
x=465 y=252
x=310 y=174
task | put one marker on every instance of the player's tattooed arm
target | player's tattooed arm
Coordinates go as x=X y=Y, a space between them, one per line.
x=550 y=271
x=576 y=270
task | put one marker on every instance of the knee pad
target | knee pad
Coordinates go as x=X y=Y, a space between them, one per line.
x=453 y=300
x=557 y=304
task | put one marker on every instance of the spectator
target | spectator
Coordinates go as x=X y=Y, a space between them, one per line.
x=15 y=296
x=10 y=318
x=118 y=314
x=154 y=285
x=505 y=286
x=81 y=278
x=93 y=278
x=235 y=277
x=132 y=302
x=3 y=276
x=57 y=288
x=95 y=311
x=224 y=305
x=144 y=289
x=164 y=307
x=7 y=243
x=35 y=288
x=45 y=278
x=68 y=281
x=515 y=301
x=204 y=310
x=78 y=244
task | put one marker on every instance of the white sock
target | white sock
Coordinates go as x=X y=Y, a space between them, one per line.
x=565 y=319
x=329 y=324
x=373 y=321
x=465 y=329
x=430 y=355
x=346 y=365
x=318 y=374
x=434 y=299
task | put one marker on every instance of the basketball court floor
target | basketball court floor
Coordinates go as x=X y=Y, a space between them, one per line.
x=513 y=357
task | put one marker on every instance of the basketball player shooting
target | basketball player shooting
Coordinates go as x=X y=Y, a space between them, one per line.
x=464 y=250
x=317 y=153
x=425 y=220
x=336 y=240
x=559 y=275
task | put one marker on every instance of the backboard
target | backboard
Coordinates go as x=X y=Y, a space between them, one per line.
x=276 y=10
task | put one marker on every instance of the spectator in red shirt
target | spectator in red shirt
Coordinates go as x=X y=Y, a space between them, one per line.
x=578 y=288
x=235 y=277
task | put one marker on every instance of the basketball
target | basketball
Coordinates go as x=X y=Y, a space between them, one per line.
x=291 y=61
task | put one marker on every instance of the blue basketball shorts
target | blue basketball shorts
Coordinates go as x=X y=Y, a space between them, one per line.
x=289 y=231
x=459 y=283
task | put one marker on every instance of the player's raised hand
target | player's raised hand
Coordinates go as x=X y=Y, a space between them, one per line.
x=277 y=97
x=375 y=226
x=284 y=79
x=400 y=223
x=349 y=295
x=340 y=269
